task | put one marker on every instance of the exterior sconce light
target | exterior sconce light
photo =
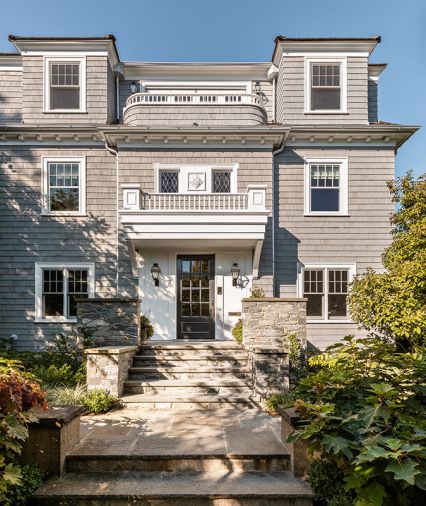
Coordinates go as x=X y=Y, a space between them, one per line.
x=133 y=86
x=235 y=271
x=257 y=88
x=155 y=273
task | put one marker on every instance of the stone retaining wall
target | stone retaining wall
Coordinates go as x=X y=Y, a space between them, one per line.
x=108 y=366
x=115 y=322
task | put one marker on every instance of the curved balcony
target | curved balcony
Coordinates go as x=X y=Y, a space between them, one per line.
x=237 y=109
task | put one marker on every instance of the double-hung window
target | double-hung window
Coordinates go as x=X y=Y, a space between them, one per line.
x=326 y=187
x=64 y=185
x=65 y=87
x=326 y=288
x=326 y=85
x=58 y=287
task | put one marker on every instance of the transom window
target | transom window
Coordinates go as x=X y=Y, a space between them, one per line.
x=65 y=85
x=221 y=181
x=326 y=290
x=64 y=186
x=325 y=86
x=57 y=288
x=169 y=181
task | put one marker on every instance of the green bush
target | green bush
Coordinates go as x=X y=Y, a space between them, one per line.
x=257 y=293
x=363 y=410
x=32 y=478
x=326 y=480
x=65 y=396
x=272 y=402
x=98 y=401
x=237 y=331
x=146 y=328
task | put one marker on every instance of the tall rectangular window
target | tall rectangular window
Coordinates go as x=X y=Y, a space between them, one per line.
x=169 y=181
x=325 y=187
x=64 y=85
x=325 y=86
x=58 y=287
x=326 y=290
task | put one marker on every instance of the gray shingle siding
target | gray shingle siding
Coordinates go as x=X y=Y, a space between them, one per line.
x=10 y=96
x=373 y=106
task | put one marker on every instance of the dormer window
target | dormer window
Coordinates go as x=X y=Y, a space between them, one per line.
x=65 y=89
x=325 y=85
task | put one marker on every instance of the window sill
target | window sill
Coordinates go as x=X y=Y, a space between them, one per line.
x=331 y=215
x=328 y=321
x=64 y=111
x=326 y=112
x=46 y=214
x=61 y=320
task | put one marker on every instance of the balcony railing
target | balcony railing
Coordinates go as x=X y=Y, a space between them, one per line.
x=252 y=200
x=194 y=98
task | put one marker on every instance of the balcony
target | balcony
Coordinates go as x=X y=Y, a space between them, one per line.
x=195 y=221
x=238 y=109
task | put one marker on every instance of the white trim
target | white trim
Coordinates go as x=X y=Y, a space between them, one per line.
x=343 y=84
x=39 y=266
x=11 y=67
x=173 y=85
x=301 y=268
x=67 y=57
x=343 y=189
x=81 y=160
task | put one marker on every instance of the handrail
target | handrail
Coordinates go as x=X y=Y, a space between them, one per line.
x=194 y=99
x=194 y=201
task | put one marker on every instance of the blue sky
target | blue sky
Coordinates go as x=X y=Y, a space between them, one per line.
x=243 y=30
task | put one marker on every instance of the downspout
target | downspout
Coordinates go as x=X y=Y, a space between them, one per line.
x=274 y=88
x=114 y=152
x=117 y=98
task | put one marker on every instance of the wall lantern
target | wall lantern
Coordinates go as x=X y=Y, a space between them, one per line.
x=155 y=273
x=257 y=88
x=133 y=86
x=235 y=271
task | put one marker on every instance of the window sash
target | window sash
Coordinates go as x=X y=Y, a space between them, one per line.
x=64 y=176
x=72 y=282
x=333 y=283
x=218 y=181
x=65 y=74
x=171 y=185
x=325 y=180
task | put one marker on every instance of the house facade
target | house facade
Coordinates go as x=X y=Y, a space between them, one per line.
x=186 y=184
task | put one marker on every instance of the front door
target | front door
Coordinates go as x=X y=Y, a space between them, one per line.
x=195 y=297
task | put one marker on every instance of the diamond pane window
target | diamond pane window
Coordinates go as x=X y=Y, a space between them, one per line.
x=169 y=182
x=325 y=187
x=325 y=86
x=221 y=182
x=64 y=187
x=64 y=85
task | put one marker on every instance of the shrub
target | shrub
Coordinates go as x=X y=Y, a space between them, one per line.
x=32 y=478
x=98 y=401
x=66 y=396
x=272 y=402
x=363 y=410
x=257 y=293
x=20 y=394
x=326 y=480
x=146 y=328
x=237 y=331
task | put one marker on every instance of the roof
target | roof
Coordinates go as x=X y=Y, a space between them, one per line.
x=23 y=37
x=280 y=38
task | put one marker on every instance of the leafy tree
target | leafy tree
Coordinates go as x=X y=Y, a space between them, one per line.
x=393 y=304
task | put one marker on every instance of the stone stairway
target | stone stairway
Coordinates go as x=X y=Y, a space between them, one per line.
x=176 y=373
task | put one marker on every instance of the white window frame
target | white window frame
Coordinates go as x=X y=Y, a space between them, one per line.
x=325 y=267
x=343 y=187
x=67 y=58
x=39 y=267
x=81 y=160
x=343 y=84
x=184 y=169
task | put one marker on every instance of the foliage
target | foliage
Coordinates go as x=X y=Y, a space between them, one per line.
x=98 y=401
x=363 y=409
x=326 y=480
x=32 y=478
x=20 y=394
x=297 y=357
x=237 y=331
x=392 y=304
x=65 y=395
x=146 y=328
x=272 y=402
x=257 y=293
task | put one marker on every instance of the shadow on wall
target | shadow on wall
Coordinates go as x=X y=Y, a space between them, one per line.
x=28 y=237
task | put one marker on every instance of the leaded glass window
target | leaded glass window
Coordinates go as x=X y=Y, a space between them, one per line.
x=221 y=182
x=169 y=181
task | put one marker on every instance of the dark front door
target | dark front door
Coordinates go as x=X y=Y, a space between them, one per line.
x=195 y=297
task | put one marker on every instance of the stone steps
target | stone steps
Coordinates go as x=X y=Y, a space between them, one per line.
x=190 y=362
x=160 y=401
x=185 y=372
x=175 y=489
x=188 y=386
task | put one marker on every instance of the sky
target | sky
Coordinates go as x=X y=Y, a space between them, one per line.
x=244 y=30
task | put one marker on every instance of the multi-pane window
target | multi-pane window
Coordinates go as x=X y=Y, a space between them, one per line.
x=169 y=181
x=326 y=290
x=64 y=85
x=324 y=187
x=325 y=86
x=61 y=287
x=221 y=182
x=63 y=187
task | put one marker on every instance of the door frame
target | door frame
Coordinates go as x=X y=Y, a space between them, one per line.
x=201 y=256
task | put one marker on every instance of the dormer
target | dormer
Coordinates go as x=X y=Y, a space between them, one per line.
x=68 y=80
x=323 y=80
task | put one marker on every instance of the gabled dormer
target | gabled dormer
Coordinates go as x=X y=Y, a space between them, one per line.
x=323 y=80
x=68 y=80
